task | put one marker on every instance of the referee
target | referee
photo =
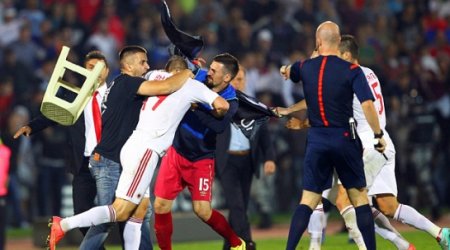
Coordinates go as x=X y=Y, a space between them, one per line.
x=329 y=84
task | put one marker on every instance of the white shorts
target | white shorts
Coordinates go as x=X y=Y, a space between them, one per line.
x=138 y=163
x=374 y=162
x=380 y=173
x=385 y=182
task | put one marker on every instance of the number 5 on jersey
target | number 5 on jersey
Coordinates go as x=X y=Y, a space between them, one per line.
x=378 y=96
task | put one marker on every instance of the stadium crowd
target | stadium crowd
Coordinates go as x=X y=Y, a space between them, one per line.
x=405 y=42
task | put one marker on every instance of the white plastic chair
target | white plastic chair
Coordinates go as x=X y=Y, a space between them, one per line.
x=63 y=111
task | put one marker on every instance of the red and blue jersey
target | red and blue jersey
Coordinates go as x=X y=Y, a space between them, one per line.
x=195 y=138
x=329 y=93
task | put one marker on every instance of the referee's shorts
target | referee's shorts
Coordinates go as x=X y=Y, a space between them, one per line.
x=329 y=148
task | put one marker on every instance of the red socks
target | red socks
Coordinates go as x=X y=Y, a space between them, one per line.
x=221 y=226
x=163 y=230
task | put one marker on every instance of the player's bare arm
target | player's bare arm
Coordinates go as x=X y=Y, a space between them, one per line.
x=25 y=130
x=301 y=105
x=220 y=106
x=167 y=86
x=297 y=124
x=285 y=71
x=371 y=115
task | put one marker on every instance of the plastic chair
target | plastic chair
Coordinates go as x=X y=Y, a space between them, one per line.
x=63 y=111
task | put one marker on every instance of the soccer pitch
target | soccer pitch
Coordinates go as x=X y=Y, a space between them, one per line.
x=421 y=240
x=339 y=241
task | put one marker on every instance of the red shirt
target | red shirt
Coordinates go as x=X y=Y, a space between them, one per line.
x=5 y=154
x=87 y=9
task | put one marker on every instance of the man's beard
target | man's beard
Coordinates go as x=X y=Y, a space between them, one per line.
x=209 y=83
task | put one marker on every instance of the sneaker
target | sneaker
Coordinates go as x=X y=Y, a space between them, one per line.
x=250 y=245
x=240 y=247
x=314 y=246
x=56 y=232
x=411 y=247
x=444 y=239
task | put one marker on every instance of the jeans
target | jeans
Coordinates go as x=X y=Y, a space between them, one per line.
x=84 y=191
x=106 y=174
x=146 y=242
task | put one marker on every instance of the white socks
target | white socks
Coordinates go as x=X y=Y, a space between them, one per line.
x=408 y=215
x=316 y=225
x=349 y=215
x=132 y=233
x=384 y=228
x=383 y=222
x=92 y=217
x=399 y=242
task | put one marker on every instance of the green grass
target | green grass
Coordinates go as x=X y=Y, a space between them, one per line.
x=18 y=233
x=421 y=240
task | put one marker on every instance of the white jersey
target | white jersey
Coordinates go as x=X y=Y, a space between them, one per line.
x=363 y=128
x=158 y=121
x=161 y=115
x=379 y=171
x=358 y=113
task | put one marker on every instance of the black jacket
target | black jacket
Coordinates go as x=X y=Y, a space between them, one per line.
x=76 y=142
x=261 y=149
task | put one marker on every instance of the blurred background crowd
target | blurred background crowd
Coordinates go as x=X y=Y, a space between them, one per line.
x=405 y=42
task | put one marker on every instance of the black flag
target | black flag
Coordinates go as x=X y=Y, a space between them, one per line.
x=251 y=114
x=185 y=44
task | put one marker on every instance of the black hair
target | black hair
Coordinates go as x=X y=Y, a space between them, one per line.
x=349 y=44
x=230 y=63
x=131 y=49
x=95 y=54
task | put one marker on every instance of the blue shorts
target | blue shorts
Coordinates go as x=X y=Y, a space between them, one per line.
x=328 y=149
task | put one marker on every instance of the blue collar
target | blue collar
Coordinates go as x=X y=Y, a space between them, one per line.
x=228 y=93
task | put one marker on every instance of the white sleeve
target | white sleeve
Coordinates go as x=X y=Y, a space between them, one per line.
x=198 y=92
x=287 y=89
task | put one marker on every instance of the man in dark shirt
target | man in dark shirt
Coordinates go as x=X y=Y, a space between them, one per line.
x=190 y=160
x=120 y=115
x=329 y=85
x=238 y=159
